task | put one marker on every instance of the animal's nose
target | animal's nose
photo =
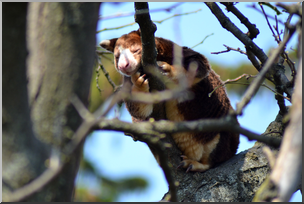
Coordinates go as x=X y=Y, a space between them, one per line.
x=124 y=66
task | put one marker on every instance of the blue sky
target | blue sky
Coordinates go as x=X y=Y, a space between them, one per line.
x=117 y=155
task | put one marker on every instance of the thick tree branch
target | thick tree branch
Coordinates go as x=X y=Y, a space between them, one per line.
x=287 y=171
x=148 y=61
x=147 y=28
x=253 y=31
x=228 y=25
x=285 y=177
x=164 y=126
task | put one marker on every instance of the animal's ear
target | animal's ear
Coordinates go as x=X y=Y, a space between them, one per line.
x=108 y=44
x=138 y=31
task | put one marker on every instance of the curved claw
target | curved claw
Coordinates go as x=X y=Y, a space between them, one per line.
x=189 y=168
x=180 y=165
x=184 y=157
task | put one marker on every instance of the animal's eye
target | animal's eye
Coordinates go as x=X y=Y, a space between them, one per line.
x=136 y=51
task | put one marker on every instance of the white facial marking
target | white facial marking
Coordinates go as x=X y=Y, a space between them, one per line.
x=126 y=64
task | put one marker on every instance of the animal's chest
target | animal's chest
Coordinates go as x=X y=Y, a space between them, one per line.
x=172 y=111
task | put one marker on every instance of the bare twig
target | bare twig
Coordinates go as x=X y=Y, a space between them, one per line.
x=106 y=74
x=254 y=7
x=276 y=27
x=132 y=13
x=103 y=53
x=175 y=15
x=274 y=35
x=82 y=110
x=252 y=89
x=229 y=49
x=202 y=40
x=97 y=77
x=278 y=38
x=293 y=8
x=275 y=75
x=271 y=6
x=230 y=81
x=253 y=31
x=159 y=21
x=234 y=81
x=99 y=52
x=227 y=24
x=277 y=93
x=116 y=28
x=285 y=55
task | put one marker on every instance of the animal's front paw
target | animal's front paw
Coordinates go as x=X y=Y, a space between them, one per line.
x=192 y=165
x=140 y=84
x=166 y=69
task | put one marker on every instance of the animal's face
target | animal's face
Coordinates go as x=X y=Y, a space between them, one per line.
x=127 y=52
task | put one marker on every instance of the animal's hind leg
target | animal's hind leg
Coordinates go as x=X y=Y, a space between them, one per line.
x=193 y=165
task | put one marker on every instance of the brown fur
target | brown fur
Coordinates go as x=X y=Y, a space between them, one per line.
x=201 y=150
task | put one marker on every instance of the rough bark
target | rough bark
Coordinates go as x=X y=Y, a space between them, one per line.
x=21 y=164
x=287 y=171
x=61 y=42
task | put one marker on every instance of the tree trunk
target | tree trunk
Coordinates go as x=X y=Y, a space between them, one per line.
x=61 y=43
x=21 y=163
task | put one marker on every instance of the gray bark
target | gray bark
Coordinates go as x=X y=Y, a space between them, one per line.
x=20 y=161
x=38 y=124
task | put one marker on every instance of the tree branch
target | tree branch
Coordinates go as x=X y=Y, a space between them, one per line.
x=253 y=88
x=285 y=177
x=164 y=126
x=228 y=25
x=254 y=7
x=148 y=61
x=142 y=130
x=229 y=49
x=253 y=31
x=294 y=8
x=287 y=171
x=106 y=74
x=233 y=81
x=132 y=13
x=276 y=75
x=277 y=38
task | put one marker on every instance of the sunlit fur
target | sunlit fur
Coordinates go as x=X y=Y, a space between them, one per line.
x=202 y=150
